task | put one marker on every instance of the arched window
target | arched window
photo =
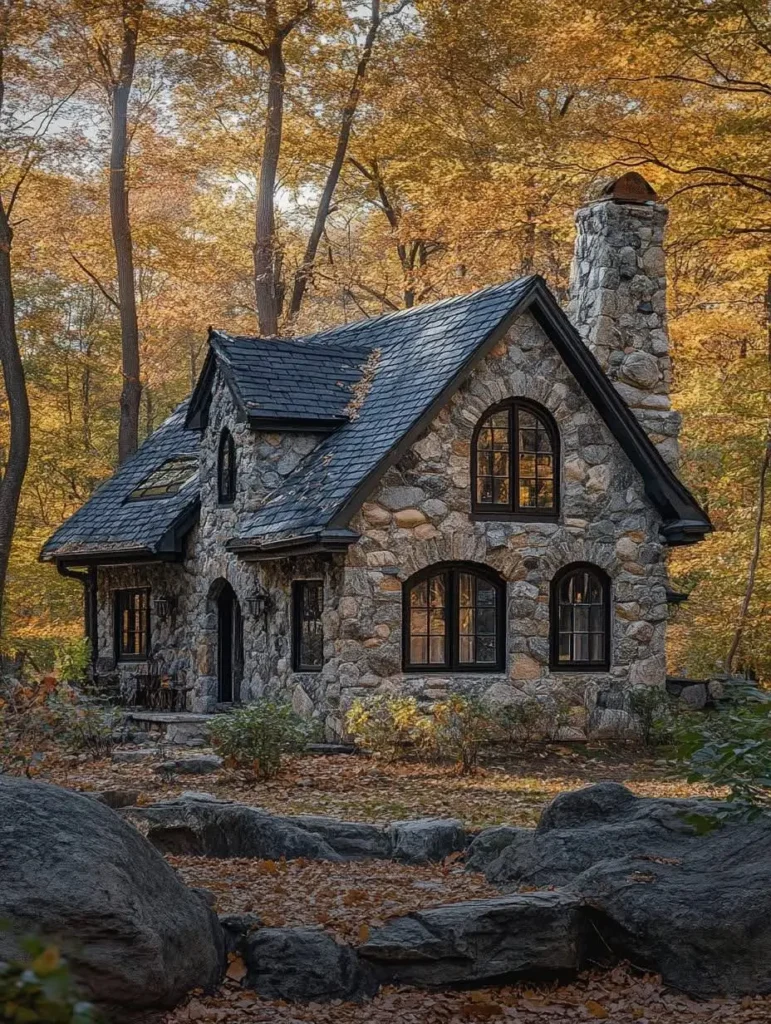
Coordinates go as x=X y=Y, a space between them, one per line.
x=454 y=619
x=580 y=618
x=515 y=462
x=226 y=469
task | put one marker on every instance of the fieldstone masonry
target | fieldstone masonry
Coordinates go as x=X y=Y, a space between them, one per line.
x=618 y=300
x=419 y=514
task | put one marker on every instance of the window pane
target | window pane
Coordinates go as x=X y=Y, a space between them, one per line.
x=543 y=441
x=419 y=595
x=564 y=647
x=311 y=605
x=485 y=438
x=437 y=650
x=501 y=491
x=527 y=493
x=581 y=618
x=436 y=622
x=436 y=591
x=526 y=420
x=419 y=650
x=596 y=618
x=466 y=590
x=419 y=622
x=467 y=649
x=485 y=593
x=580 y=646
x=500 y=419
x=485 y=621
x=597 y=647
x=485 y=490
x=466 y=620
x=527 y=441
x=485 y=650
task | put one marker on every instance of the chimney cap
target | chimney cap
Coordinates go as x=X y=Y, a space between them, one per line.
x=628 y=188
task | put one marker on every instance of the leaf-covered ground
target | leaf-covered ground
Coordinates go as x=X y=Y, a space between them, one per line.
x=351 y=899
x=509 y=791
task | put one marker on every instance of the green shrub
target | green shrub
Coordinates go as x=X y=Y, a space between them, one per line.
x=84 y=723
x=459 y=727
x=258 y=735
x=731 y=748
x=654 y=711
x=40 y=989
x=521 y=722
x=73 y=659
x=391 y=727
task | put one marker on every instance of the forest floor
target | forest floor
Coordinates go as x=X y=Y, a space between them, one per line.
x=350 y=899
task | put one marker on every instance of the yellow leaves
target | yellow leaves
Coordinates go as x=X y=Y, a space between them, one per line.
x=362 y=933
x=597 y=1010
x=47 y=961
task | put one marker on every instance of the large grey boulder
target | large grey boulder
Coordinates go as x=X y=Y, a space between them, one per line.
x=136 y=937
x=304 y=965
x=427 y=839
x=579 y=829
x=213 y=828
x=535 y=934
x=695 y=908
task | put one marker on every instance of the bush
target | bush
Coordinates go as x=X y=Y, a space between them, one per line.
x=258 y=735
x=459 y=727
x=731 y=748
x=653 y=708
x=521 y=722
x=73 y=660
x=85 y=723
x=391 y=727
x=41 y=989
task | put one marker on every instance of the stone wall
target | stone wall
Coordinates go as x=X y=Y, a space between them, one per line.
x=420 y=515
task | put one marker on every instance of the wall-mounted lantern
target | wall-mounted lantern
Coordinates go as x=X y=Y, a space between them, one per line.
x=259 y=604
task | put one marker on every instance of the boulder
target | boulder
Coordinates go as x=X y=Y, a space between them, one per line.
x=203 y=764
x=115 y=798
x=136 y=937
x=134 y=756
x=212 y=828
x=427 y=839
x=536 y=934
x=304 y=965
x=491 y=842
x=596 y=823
x=352 y=840
x=694 y=908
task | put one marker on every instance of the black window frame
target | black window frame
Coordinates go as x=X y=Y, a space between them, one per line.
x=512 y=511
x=146 y=490
x=120 y=604
x=603 y=579
x=226 y=482
x=299 y=588
x=452 y=572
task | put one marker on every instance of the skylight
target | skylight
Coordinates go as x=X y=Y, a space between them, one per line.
x=167 y=479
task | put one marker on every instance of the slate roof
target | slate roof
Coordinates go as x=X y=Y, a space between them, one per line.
x=418 y=351
x=396 y=372
x=109 y=523
x=276 y=381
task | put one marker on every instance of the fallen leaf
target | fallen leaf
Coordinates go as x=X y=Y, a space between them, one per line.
x=596 y=1009
x=236 y=969
x=363 y=932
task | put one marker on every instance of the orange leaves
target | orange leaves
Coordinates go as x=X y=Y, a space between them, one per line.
x=236 y=969
x=597 y=1010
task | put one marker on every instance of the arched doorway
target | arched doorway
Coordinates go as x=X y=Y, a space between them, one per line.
x=230 y=646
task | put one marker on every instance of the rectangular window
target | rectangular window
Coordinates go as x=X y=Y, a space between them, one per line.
x=132 y=625
x=308 y=632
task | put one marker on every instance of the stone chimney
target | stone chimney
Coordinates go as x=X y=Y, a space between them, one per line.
x=618 y=299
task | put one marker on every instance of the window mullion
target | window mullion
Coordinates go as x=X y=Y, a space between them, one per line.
x=452 y=624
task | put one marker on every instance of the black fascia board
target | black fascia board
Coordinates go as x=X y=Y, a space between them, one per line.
x=173 y=539
x=296 y=424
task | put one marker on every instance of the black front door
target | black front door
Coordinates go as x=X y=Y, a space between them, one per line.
x=229 y=646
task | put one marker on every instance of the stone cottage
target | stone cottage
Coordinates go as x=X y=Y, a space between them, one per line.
x=473 y=495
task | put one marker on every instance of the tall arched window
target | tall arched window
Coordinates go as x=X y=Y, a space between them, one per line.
x=454 y=619
x=580 y=618
x=226 y=469
x=515 y=462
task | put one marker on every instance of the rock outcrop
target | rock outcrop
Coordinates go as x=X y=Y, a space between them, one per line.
x=72 y=871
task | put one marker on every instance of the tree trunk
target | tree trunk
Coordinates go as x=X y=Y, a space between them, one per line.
x=322 y=212
x=266 y=261
x=18 y=405
x=128 y=434
x=754 y=557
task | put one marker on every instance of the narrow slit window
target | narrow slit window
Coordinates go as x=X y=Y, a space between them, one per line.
x=308 y=645
x=132 y=624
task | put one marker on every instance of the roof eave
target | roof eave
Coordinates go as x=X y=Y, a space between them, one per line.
x=320 y=542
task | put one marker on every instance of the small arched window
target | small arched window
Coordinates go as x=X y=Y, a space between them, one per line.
x=515 y=461
x=580 y=618
x=454 y=619
x=226 y=469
